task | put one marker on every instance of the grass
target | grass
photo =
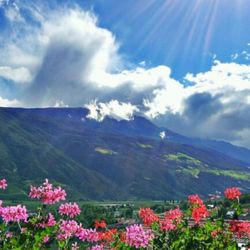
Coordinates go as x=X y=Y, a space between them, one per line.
x=104 y=151
x=230 y=173
x=190 y=171
x=182 y=158
x=195 y=171
x=192 y=166
x=144 y=145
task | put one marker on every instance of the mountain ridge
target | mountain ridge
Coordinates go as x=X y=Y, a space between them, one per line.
x=109 y=159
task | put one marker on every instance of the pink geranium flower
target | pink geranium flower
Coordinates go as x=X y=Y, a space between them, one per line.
x=14 y=213
x=3 y=184
x=47 y=193
x=137 y=236
x=97 y=247
x=90 y=235
x=69 y=209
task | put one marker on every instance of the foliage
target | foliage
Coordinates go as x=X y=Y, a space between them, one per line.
x=195 y=228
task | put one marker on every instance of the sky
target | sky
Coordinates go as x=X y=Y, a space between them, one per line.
x=185 y=65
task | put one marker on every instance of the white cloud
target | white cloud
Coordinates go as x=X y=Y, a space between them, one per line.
x=142 y=63
x=13 y=14
x=11 y=11
x=68 y=59
x=166 y=100
x=9 y=103
x=115 y=109
x=69 y=55
x=221 y=76
x=18 y=75
x=139 y=79
x=13 y=55
x=162 y=135
x=234 y=56
x=3 y=2
x=246 y=55
x=60 y=104
x=80 y=29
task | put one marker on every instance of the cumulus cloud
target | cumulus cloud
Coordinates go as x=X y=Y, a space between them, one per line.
x=67 y=59
x=70 y=58
x=75 y=50
x=115 y=109
x=60 y=104
x=18 y=75
x=9 y=103
x=12 y=13
x=215 y=105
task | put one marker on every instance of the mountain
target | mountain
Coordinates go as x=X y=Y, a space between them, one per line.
x=111 y=159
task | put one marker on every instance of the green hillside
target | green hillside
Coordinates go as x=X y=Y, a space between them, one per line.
x=93 y=164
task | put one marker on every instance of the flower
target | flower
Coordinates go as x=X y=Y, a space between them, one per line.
x=69 y=209
x=148 y=216
x=232 y=193
x=90 y=235
x=47 y=193
x=122 y=236
x=199 y=213
x=97 y=247
x=3 y=184
x=9 y=234
x=23 y=230
x=167 y=225
x=74 y=246
x=100 y=223
x=108 y=236
x=214 y=233
x=46 y=239
x=172 y=217
x=68 y=229
x=50 y=221
x=174 y=214
x=194 y=199
x=240 y=227
x=14 y=213
x=137 y=237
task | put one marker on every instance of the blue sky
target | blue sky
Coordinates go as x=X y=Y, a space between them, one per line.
x=182 y=64
x=181 y=34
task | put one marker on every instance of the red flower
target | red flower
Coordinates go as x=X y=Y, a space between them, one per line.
x=199 y=213
x=100 y=224
x=167 y=225
x=240 y=227
x=148 y=216
x=123 y=236
x=195 y=199
x=214 y=233
x=172 y=218
x=232 y=193
x=174 y=214
x=108 y=236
